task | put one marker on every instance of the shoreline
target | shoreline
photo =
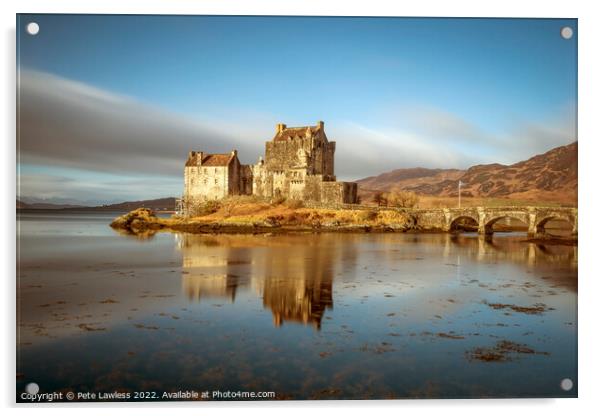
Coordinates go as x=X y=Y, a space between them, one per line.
x=143 y=222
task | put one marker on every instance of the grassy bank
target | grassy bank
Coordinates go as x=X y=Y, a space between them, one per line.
x=249 y=214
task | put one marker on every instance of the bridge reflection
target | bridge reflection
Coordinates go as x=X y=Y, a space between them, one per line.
x=485 y=248
x=294 y=274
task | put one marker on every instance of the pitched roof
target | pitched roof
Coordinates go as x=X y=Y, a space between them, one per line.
x=291 y=133
x=209 y=159
x=217 y=159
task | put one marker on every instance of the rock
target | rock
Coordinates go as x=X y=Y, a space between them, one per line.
x=135 y=221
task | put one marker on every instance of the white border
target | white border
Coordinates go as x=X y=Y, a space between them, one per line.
x=590 y=71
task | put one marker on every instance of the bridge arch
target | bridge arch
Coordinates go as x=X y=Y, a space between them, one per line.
x=457 y=222
x=540 y=223
x=489 y=222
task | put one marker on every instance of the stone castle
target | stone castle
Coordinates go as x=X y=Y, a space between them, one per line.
x=299 y=164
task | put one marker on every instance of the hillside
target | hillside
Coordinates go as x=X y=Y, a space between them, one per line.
x=402 y=178
x=162 y=204
x=551 y=176
x=42 y=205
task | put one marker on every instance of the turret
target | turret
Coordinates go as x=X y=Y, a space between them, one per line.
x=308 y=133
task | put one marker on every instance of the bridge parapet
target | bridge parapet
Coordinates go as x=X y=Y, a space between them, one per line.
x=533 y=217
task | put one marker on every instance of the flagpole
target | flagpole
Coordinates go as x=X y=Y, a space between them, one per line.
x=459 y=195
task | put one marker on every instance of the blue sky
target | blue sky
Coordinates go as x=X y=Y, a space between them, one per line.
x=393 y=92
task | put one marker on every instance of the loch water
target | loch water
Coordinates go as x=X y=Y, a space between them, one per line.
x=306 y=316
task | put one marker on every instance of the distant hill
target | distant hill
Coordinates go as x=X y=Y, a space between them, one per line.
x=42 y=205
x=551 y=176
x=162 y=204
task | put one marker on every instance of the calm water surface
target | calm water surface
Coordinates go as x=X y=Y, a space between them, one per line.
x=328 y=316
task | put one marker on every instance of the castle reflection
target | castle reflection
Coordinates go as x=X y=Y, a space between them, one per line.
x=293 y=274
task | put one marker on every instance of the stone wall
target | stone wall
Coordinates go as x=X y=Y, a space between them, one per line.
x=338 y=192
x=328 y=169
x=206 y=183
x=246 y=180
x=313 y=188
x=283 y=155
x=280 y=184
x=262 y=181
x=234 y=177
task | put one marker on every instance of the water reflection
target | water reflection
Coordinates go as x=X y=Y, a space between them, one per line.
x=306 y=315
x=295 y=281
x=294 y=274
x=515 y=250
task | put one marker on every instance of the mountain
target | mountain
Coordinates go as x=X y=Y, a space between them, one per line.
x=551 y=176
x=406 y=178
x=162 y=204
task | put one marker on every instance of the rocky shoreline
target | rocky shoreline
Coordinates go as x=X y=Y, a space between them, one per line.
x=143 y=222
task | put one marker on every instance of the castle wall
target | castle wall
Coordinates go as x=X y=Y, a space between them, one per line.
x=329 y=160
x=262 y=181
x=280 y=184
x=233 y=180
x=246 y=180
x=338 y=192
x=283 y=155
x=312 y=191
x=205 y=183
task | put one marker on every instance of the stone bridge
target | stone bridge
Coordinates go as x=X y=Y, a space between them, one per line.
x=535 y=218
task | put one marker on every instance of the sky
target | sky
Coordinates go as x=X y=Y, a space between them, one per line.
x=110 y=105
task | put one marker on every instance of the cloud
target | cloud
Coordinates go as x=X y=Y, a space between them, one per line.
x=363 y=151
x=425 y=136
x=440 y=125
x=77 y=187
x=71 y=124
x=528 y=138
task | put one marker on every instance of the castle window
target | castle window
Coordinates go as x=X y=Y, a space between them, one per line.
x=205 y=171
x=216 y=181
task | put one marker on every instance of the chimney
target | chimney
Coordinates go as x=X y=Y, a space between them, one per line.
x=280 y=127
x=320 y=125
x=194 y=156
